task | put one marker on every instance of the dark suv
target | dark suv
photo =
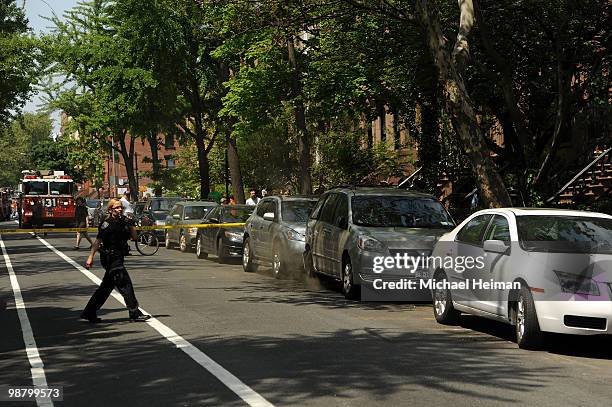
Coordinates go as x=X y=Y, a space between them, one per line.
x=349 y=227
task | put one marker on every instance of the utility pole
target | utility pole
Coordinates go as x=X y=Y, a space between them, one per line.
x=226 y=167
x=114 y=187
x=137 y=197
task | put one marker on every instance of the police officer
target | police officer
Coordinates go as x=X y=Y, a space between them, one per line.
x=113 y=234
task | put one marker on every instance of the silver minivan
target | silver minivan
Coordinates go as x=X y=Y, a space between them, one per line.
x=349 y=227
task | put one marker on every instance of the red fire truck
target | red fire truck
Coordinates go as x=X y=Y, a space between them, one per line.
x=55 y=191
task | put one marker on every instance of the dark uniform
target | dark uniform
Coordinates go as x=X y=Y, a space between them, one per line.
x=113 y=232
x=37 y=216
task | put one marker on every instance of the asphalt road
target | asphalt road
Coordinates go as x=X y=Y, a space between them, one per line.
x=222 y=337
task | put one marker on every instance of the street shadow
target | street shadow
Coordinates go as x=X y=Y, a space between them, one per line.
x=378 y=363
x=115 y=362
x=127 y=362
x=594 y=347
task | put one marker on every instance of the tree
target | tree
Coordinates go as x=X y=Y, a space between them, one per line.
x=19 y=55
x=108 y=93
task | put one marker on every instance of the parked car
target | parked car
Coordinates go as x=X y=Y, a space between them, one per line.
x=551 y=269
x=156 y=210
x=274 y=234
x=226 y=242
x=349 y=227
x=185 y=213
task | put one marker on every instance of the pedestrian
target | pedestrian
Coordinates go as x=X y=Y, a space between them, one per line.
x=264 y=193
x=37 y=216
x=232 y=200
x=127 y=206
x=113 y=234
x=81 y=216
x=13 y=209
x=253 y=199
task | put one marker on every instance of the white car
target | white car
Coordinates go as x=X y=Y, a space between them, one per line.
x=542 y=270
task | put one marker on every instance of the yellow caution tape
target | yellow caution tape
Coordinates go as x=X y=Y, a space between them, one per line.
x=157 y=227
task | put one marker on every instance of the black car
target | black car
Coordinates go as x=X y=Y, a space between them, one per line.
x=226 y=242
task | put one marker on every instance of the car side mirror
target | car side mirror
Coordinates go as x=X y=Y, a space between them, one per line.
x=176 y=216
x=495 y=246
x=269 y=216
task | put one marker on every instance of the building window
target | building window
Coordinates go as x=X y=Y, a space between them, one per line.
x=170 y=163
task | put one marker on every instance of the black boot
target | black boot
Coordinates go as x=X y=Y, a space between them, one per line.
x=137 y=316
x=91 y=318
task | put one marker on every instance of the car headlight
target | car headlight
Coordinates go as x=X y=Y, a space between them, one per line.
x=293 y=235
x=233 y=235
x=370 y=244
x=571 y=283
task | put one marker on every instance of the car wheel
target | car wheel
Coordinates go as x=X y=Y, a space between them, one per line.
x=221 y=252
x=169 y=244
x=443 y=308
x=247 y=259
x=278 y=264
x=308 y=264
x=349 y=288
x=528 y=333
x=200 y=253
x=183 y=244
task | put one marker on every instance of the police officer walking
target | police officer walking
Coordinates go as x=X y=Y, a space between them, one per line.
x=113 y=233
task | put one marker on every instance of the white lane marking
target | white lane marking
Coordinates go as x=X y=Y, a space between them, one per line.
x=37 y=368
x=250 y=396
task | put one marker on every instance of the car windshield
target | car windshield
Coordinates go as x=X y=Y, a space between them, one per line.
x=92 y=203
x=565 y=234
x=61 y=188
x=35 y=188
x=399 y=211
x=164 y=204
x=159 y=215
x=297 y=211
x=196 y=212
x=231 y=215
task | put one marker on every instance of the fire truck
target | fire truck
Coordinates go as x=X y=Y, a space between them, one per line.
x=55 y=191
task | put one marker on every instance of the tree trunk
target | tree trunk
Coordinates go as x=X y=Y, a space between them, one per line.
x=304 y=144
x=203 y=167
x=128 y=160
x=563 y=89
x=234 y=168
x=156 y=173
x=519 y=122
x=429 y=142
x=461 y=111
x=233 y=160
